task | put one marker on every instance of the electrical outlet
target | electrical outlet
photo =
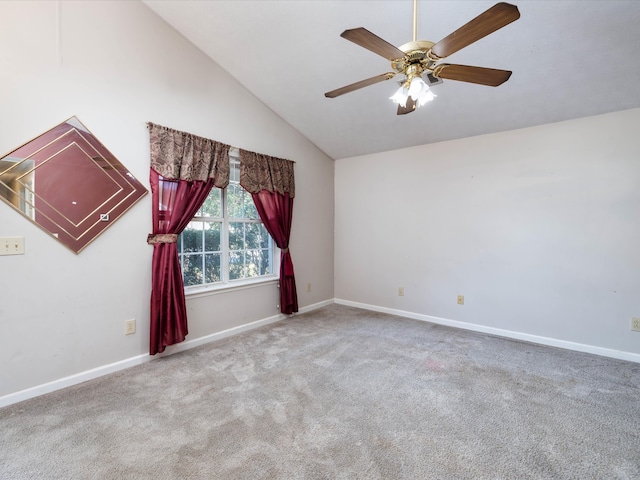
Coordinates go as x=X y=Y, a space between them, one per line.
x=460 y=299
x=401 y=291
x=130 y=326
x=635 y=324
x=308 y=287
x=11 y=245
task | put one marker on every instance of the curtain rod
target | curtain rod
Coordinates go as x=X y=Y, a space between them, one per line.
x=230 y=146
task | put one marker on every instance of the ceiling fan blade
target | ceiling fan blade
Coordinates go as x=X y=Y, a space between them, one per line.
x=366 y=39
x=361 y=84
x=464 y=73
x=498 y=16
x=410 y=107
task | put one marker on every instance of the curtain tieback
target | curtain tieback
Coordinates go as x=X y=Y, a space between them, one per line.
x=153 y=239
x=284 y=250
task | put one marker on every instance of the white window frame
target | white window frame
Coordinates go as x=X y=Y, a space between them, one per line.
x=226 y=284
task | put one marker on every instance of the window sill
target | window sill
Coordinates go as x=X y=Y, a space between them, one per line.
x=206 y=290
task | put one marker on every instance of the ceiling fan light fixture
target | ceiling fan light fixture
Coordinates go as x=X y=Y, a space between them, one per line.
x=401 y=95
x=426 y=97
x=420 y=92
x=417 y=89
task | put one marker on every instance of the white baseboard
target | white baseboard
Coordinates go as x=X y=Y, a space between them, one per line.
x=196 y=342
x=71 y=380
x=552 y=342
x=316 y=306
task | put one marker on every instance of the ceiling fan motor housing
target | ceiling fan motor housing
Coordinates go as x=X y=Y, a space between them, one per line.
x=416 y=60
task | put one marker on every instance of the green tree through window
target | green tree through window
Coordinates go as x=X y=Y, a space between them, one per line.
x=226 y=240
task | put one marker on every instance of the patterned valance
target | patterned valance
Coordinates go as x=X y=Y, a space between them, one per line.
x=179 y=155
x=261 y=172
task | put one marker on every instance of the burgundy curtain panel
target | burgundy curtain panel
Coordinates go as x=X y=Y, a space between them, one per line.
x=184 y=169
x=175 y=202
x=270 y=181
x=275 y=210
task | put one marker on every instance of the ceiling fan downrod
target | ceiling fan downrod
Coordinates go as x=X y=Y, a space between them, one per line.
x=415 y=20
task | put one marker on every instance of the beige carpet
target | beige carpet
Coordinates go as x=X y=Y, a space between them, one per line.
x=339 y=393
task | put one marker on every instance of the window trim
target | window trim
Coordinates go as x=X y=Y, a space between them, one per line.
x=196 y=291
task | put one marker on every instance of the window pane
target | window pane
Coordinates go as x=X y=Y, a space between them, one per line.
x=192 y=269
x=265 y=238
x=256 y=263
x=234 y=172
x=234 y=201
x=212 y=268
x=266 y=268
x=236 y=265
x=212 y=237
x=253 y=235
x=249 y=207
x=236 y=236
x=192 y=237
x=212 y=206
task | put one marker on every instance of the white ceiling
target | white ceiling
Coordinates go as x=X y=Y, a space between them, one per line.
x=569 y=59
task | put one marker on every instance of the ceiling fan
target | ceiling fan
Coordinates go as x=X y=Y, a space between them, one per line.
x=419 y=58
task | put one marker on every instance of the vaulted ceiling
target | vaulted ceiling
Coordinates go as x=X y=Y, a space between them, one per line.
x=569 y=59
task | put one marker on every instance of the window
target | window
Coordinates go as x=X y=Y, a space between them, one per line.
x=226 y=240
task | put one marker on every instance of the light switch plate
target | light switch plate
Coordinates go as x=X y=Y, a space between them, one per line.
x=11 y=245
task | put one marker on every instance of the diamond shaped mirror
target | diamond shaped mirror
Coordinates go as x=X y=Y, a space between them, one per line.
x=68 y=183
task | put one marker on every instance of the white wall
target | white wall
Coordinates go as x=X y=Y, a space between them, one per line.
x=538 y=228
x=116 y=65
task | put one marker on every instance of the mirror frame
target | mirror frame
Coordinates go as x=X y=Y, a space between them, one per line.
x=68 y=183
